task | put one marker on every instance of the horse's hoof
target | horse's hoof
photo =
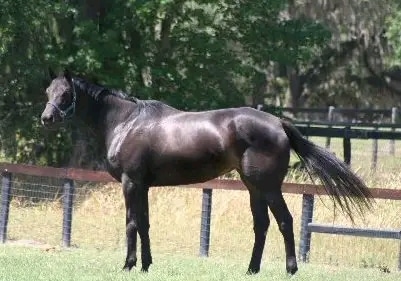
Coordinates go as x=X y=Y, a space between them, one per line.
x=145 y=267
x=252 y=271
x=292 y=267
x=146 y=262
x=129 y=265
x=292 y=271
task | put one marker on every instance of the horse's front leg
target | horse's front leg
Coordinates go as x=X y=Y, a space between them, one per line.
x=137 y=220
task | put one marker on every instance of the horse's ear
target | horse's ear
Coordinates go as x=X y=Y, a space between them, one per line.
x=51 y=73
x=67 y=75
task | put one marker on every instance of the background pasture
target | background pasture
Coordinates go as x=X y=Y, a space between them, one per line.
x=98 y=221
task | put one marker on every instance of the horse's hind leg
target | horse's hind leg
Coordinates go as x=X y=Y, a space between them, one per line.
x=284 y=220
x=276 y=203
x=131 y=223
x=263 y=172
x=260 y=225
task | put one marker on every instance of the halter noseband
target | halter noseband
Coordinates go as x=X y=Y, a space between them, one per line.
x=70 y=110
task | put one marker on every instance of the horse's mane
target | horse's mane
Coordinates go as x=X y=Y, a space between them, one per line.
x=144 y=106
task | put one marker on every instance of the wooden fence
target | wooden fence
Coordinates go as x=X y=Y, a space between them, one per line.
x=308 y=191
x=328 y=127
x=347 y=133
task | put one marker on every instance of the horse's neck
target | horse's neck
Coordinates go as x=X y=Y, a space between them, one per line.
x=104 y=114
x=117 y=110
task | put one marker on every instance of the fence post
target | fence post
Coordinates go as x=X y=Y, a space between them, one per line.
x=307 y=131
x=205 y=222
x=394 y=114
x=374 y=152
x=329 y=119
x=306 y=235
x=347 y=146
x=68 y=201
x=5 y=204
x=399 y=256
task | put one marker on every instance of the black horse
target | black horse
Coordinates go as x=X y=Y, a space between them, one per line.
x=149 y=143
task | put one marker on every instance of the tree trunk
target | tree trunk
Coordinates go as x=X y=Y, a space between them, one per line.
x=259 y=91
x=95 y=10
x=295 y=87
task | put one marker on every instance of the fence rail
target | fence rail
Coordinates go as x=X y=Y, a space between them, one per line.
x=348 y=124
x=331 y=110
x=228 y=184
x=307 y=190
x=350 y=133
x=365 y=232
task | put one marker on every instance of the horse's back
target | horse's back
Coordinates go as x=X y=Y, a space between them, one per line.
x=229 y=131
x=218 y=130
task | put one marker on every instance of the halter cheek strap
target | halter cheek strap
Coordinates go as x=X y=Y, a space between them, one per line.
x=70 y=110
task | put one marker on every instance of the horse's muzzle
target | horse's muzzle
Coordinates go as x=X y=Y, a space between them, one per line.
x=47 y=119
x=49 y=116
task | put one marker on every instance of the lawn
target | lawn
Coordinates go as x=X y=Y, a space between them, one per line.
x=21 y=263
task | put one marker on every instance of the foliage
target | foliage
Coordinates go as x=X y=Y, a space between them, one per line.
x=192 y=55
x=337 y=75
x=394 y=37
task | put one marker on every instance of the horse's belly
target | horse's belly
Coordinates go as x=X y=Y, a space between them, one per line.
x=182 y=172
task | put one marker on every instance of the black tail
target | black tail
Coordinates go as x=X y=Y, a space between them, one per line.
x=345 y=187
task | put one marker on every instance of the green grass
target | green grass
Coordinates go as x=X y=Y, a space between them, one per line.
x=20 y=264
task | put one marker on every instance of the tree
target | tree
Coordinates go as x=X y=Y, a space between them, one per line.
x=338 y=72
x=190 y=54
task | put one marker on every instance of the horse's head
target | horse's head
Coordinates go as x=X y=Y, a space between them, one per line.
x=61 y=99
